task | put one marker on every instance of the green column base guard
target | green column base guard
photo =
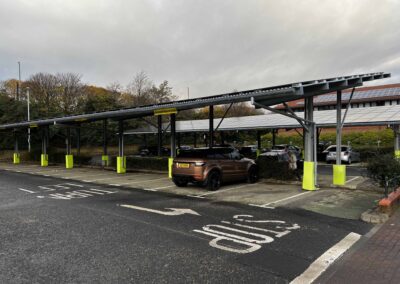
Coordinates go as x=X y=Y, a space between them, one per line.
x=170 y=163
x=44 y=160
x=397 y=154
x=104 y=159
x=69 y=161
x=258 y=152
x=309 y=176
x=16 y=158
x=339 y=174
x=121 y=165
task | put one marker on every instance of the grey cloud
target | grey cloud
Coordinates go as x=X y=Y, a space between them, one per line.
x=210 y=46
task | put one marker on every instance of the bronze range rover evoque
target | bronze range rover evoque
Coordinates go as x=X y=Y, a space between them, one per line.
x=212 y=166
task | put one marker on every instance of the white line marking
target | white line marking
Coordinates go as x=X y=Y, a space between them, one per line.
x=23 y=189
x=223 y=190
x=138 y=181
x=287 y=198
x=91 y=191
x=74 y=184
x=173 y=212
x=354 y=178
x=326 y=259
x=61 y=186
x=101 y=190
x=262 y=206
x=195 y=196
x=99 y=179
x=156 y=188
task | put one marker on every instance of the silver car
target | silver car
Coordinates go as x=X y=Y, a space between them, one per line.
x=347 y=155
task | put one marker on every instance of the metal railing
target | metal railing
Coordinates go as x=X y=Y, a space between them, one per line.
x=391 y=184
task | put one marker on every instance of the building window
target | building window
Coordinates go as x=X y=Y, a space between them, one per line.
x=380 y=103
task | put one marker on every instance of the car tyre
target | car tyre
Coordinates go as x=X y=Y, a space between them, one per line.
x=214 y=181
x=180 y=182
x=252 y=175
x=349 y=161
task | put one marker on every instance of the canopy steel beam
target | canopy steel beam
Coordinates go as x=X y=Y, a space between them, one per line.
x=223 y=117
x=338 y=127
x=266 y=96
x=211 y=127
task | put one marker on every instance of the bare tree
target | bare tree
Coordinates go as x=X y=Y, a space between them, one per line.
x=9 y=87
x=44 y=92
x=71 y=91
x=139 y=89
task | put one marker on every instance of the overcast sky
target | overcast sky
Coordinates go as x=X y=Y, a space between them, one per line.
x=209 y=46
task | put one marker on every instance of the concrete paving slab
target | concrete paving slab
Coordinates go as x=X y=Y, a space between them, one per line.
x=348 y=204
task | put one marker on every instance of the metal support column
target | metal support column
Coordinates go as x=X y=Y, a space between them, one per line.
x=195 y=140
x=273 y=137
x=396 y=130
x=339 y=171
x=173 y=144
x=159 y=135
x=178 y=139
x=78 y=142
x=258 y=143
x=69 y=159
x=211 y=127
x=104 y=157
x=16 y=156
x=309 y=175
x=44 y=158
x=121 y=159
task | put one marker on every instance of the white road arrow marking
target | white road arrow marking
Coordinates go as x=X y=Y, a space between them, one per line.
x=173 y=212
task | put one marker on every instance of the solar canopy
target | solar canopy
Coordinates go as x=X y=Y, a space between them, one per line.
x=266 y=96
x=368 y=116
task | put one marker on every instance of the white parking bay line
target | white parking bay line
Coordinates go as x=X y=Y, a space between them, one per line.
x=93 y=180
x=284 y=199
x=157 y=188
x=326 y=259
x=354 y=178
x=29 y=191
x=223 y=190
x=138 y=181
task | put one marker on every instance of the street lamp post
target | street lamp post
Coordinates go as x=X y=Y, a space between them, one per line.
x=29 y=117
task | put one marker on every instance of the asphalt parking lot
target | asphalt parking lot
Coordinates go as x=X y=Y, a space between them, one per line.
x=348 y=204
x=58 y=228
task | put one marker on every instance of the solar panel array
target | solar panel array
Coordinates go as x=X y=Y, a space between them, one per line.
x=382 y=115
x=358 y=95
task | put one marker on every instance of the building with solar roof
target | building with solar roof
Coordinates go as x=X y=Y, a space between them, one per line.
x=383 y=95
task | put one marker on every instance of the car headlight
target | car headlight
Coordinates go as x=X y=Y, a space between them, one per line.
x=199 y=164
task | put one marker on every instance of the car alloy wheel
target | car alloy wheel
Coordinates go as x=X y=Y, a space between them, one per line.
x=214 y=181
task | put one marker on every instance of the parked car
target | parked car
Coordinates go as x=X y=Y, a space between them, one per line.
x=284 y=148
x=249 y=151
x=153 y=151
x=211 y=167
x=347 y=154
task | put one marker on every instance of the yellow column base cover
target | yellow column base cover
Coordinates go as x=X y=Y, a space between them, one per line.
x=16 y=158
x=44 y=160
x=170 y=163
x=309 y=176
x=121 y=165
x=397 y=154
x=69 y=161
x=104 y=158
x=339 y=174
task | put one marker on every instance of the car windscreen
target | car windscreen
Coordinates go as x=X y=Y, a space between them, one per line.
x=278 y=147
x=194 y=153
x=333 y=149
